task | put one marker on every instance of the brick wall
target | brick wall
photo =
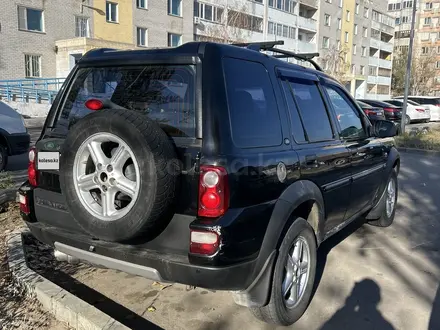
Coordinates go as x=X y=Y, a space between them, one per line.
x=59 y=23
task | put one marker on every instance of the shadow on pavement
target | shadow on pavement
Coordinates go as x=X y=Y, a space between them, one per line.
x=360 y=310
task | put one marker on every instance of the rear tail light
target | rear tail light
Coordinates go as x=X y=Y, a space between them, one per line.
x=204 y=242
x=24 y=204
x=391 y=110
x=420 y=110
x=32 y=168
x=213 y=191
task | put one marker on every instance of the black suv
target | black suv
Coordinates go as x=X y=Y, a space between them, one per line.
x=211 y=165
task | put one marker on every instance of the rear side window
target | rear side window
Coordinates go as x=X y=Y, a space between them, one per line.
x=255 y=121
x=429 y=101
x=312 y=110
x=163 y=93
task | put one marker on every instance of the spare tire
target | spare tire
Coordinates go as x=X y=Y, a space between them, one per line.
x=119 y=175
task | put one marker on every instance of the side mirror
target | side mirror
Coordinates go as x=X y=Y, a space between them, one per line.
x=384 y=129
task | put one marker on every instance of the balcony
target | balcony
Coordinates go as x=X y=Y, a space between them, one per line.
x=308 y=24
x=381 y=45
x=382 y=27
x=379 y=80
x=305 y=47
x=310 y=3
x=375 y=61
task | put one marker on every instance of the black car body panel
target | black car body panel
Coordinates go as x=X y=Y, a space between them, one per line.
x=392 y=112
x=274 y=176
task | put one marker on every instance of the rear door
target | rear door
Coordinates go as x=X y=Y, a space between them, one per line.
x=324 y=159
x=367 y=155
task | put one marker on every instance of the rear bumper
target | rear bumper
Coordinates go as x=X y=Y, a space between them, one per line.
x=163 y=259
x=18 y=143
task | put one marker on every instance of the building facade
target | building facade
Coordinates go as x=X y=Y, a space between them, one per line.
x=294 y=21
x=41 y=38
x=356 y=44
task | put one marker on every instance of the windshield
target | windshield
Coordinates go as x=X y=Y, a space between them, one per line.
x=163 y=93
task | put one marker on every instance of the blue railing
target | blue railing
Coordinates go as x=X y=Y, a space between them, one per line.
x=27 y=90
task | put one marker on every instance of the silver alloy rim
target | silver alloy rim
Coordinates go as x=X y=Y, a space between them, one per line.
x=297 y=270
x=107 y=187
x=391 y=197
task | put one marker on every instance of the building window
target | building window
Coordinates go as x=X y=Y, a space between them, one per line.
x=372 y=70
x=357 y=9
x=364 y=51
x=425 y=50
x=339 y=24
x=142 y=4
x=175 y=7
x=362 y=70
x=285 y=5
x=112 y=12
x=30 y=19
x=325 y=42
x=281 y=30
x=341 y=2
x=208 y=12
x=366 y=12
x=355 y=29
x=142 y=37
x=354 y=49
x=427 y=21
x=353 y=69
x=348 y=16
x=32 y=66
x=428 y=5
x=346 y=36
x=174 y=40
x=437 y=64
x=397 y=20
x=327 y=20
x=365 y=32
x=82 y=27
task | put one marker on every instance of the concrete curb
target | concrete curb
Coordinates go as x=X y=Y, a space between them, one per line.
x=431 y=153
x=63 y=305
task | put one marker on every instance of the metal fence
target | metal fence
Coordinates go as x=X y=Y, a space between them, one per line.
x=30 y=90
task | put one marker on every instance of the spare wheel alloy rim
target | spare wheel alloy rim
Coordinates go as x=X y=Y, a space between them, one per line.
x=106 y=176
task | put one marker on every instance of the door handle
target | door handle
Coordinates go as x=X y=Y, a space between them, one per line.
x=312 y=160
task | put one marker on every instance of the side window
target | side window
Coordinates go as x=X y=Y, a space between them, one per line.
x=348 y=118
x=313 y=113
x=296 y=125
x=253 y=110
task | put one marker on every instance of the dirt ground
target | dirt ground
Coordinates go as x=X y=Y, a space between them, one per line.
x=17 y=310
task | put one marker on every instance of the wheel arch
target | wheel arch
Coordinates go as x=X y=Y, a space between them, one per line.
x=4 y=141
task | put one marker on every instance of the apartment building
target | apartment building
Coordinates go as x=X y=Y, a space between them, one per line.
x=401 y=11
x=356 y=44
x=294 y=21
x=40 y=38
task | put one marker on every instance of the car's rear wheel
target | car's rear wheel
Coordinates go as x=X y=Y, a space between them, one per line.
x=389 y=203
x=3 y=157
x=293 y=277
x=119 y=174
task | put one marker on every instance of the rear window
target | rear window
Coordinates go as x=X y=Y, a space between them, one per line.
x=166 y=94
x=431 y=101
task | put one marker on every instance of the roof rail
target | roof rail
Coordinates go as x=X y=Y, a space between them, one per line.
x=270 y=46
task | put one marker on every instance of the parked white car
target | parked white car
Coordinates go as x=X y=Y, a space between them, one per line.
x=14 y=137
x=414 y=112
x=432 y=102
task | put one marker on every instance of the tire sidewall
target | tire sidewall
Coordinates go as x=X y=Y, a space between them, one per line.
x=4 y=155
x=386 y=220
x=288 y=316
x=133 y=222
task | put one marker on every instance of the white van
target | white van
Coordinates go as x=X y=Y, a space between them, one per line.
x=14 y=137
x=433 y=102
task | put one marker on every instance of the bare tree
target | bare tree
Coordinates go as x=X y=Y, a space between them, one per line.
x=233 y=24
x=334 y=63
x=423 y=72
